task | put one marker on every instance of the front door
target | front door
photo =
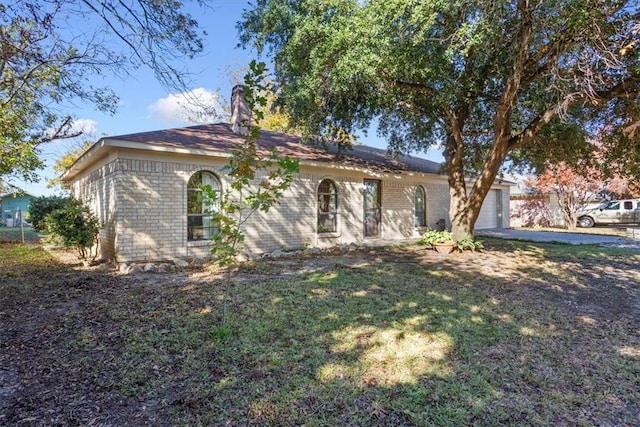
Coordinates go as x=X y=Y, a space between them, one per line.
x=372 y=211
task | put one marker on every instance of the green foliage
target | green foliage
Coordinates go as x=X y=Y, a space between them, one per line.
x=466 y=242
x=436 y=236
x=75 y=225
x=221 y=332
x=18 y=159
x=43 y=66
x=66 y=161
x=67 y=220
x=41 y=207
x=492 y=83
x=231 y=209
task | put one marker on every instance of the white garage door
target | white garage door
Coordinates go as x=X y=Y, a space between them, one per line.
x=488 y=217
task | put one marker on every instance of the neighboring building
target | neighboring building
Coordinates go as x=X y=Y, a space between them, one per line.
x=144 y=189
x=13 y=206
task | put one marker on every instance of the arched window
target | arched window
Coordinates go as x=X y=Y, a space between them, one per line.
x=327 y=207
x=199 y=208
x=420 y=207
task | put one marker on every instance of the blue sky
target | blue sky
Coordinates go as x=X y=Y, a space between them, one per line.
x=145 y=105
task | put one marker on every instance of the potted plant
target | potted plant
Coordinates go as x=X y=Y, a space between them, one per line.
x=441 y=241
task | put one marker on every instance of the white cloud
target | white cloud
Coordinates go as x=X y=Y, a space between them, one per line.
x=196 y=106
x=86 y=126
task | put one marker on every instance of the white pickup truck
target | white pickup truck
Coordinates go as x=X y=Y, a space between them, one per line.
x=613 y=212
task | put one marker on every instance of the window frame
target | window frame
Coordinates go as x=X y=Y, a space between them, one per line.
x=324 y=207
x=423 y=215
x=200 y=232
x=612 y=206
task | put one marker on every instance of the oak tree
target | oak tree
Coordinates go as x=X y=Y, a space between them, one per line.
x=490 y=82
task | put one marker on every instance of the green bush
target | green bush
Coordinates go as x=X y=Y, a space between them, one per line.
x=43 y=206
x=75 y=225
x=436 y=236
x=466 y=242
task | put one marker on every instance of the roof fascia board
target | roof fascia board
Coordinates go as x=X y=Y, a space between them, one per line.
x=95 y=153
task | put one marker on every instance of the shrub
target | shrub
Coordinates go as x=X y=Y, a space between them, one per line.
x=466 y=242
x=43 y=206
x=436 y=236
x=75 y=225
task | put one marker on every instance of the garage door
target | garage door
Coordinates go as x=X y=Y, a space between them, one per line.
x=488 y=217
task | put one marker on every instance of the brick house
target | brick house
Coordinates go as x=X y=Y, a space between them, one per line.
x=143 y=188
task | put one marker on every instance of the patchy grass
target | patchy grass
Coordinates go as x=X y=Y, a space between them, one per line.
x=520 y=334
x=24 y=259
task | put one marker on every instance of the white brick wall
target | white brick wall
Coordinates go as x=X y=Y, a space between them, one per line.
x=98 y=190
x=141 y=202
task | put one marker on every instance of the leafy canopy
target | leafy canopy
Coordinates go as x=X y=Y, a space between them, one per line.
x=487 y=82
x=65 y=161
x=420 y=65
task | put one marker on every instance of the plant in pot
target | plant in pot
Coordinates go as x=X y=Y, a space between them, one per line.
x=440 y=241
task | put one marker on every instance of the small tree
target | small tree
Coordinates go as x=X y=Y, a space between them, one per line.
x=76 y=226
x=67 y=220
x=574 y=186
x=231 y=209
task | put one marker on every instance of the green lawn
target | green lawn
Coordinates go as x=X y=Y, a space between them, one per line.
x=520 y=334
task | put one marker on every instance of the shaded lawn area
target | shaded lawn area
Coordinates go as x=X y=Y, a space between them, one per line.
x=521 y=333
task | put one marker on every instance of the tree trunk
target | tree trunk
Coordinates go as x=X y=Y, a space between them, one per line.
x=461 y=222
x=464 y=209
x=462 y=218
x=569 y=210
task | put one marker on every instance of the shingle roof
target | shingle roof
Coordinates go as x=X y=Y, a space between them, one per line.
x=220 y=137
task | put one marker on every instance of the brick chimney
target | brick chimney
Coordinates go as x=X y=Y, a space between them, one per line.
x=240 y=112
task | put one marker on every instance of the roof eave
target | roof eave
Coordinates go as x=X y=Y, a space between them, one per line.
x=104 y=145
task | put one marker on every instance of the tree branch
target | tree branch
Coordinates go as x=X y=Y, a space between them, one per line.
x=628 y=88
x=60 y=132
x=502 y=120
